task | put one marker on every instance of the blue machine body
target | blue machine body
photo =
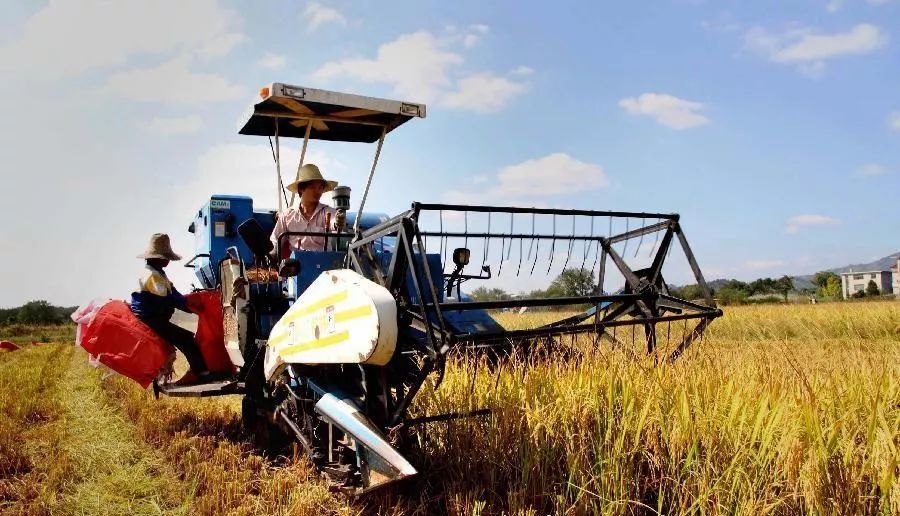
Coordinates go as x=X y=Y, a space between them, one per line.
x=215 y=231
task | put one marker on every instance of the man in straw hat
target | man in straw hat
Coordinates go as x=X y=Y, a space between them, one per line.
x=309 y=216
x=156 y=300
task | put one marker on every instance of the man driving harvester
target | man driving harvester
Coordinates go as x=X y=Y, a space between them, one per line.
x=156 y=300
x=310 y=216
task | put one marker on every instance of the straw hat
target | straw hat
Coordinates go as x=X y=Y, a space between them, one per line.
x=159 y=247
x=310 y=172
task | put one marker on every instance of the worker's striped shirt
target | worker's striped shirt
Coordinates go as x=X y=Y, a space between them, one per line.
x=293 y=220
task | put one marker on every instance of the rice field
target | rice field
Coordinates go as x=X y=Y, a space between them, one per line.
x=781 y=409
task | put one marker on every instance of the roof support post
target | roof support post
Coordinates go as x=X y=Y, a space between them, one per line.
x=362 y=204
x=302 y=157
x=278 y=191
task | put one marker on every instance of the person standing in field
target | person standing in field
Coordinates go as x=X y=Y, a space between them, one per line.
x=310 y=216
x=155 y=301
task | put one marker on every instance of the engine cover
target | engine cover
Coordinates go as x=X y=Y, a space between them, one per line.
x=342 y=318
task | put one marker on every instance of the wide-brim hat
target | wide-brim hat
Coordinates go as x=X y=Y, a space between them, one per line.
x=310 y=172
x=160 y=248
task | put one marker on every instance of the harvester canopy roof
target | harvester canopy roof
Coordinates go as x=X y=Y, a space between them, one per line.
x=332 y=116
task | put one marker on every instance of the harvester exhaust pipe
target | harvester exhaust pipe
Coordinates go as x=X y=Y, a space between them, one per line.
x=380 y=463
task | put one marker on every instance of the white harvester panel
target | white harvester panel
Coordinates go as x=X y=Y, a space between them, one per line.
x=342 y=318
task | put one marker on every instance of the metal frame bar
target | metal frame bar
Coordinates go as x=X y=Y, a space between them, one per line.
x=543 y=211
x=323 y=118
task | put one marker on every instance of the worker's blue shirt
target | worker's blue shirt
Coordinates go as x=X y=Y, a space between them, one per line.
x=156 y=297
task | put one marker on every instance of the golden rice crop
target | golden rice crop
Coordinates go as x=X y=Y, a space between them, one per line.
x=778 y=410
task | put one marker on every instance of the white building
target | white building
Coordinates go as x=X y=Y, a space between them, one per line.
x=895 y=270
x=853 y=282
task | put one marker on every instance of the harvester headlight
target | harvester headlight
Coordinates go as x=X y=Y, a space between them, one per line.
x=341 y=197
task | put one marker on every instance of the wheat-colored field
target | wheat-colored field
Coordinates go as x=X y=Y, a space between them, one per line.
x=779 y=410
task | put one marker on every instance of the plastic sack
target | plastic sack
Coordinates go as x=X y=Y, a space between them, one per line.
x=116 y=338
x=84 y=314
x=210 y=334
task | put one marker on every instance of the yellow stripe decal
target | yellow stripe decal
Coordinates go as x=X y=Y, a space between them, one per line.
x=340 y=317
x=315 y=344
x=322 y=303
x=352 y=313
x=273 y=342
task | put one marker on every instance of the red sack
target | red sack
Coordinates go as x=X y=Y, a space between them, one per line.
x=119 y=340
x=7 y=345
x=210 y=335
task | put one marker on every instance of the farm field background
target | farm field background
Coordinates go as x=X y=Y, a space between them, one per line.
x=779 y=410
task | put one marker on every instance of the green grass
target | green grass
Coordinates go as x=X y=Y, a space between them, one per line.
x=22 y=334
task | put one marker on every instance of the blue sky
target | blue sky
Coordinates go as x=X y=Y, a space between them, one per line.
x=772 y=127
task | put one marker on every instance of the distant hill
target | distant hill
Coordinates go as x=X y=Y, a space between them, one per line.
x=881 y=264
x=804 y=282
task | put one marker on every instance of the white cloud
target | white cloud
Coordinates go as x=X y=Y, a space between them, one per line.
x=173 y=82
x=474 y=35
x=174 y=125
x=554 y=174
x=272 y=61
x=483 y=93
x=522 y=70
x=425 y=68
x=894 y=120
x=317 y=15
x=666 y=109
x=795 y=223
x=808 y=49
x=69 y=37
x=762 y=265
x=834 y=6
x=416 y=65
x=870 y=170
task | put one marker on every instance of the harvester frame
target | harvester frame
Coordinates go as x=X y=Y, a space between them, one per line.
x=351 y=416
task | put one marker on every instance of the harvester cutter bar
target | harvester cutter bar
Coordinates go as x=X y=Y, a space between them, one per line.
x=581 y=328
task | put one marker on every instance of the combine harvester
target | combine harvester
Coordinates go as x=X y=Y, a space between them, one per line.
x=331 y=346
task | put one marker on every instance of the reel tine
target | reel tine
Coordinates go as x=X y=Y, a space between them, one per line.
x=487 y=242
x=625 y=244
x=519 y=266
x=531 y=245
x=442 y=241
x=466 y=229
x=655 y=242
x=641 y=241
x=537 y=252
x=586 y=249
x=571 y=244
x=502 y=252
x=553 y=245
x=511 y=233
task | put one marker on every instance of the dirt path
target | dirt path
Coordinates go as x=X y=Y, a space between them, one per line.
x=85 y=456
x=117 y=473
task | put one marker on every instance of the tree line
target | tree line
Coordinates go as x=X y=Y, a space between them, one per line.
x=576 y=282
x=734 y=292
x=36 y=312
